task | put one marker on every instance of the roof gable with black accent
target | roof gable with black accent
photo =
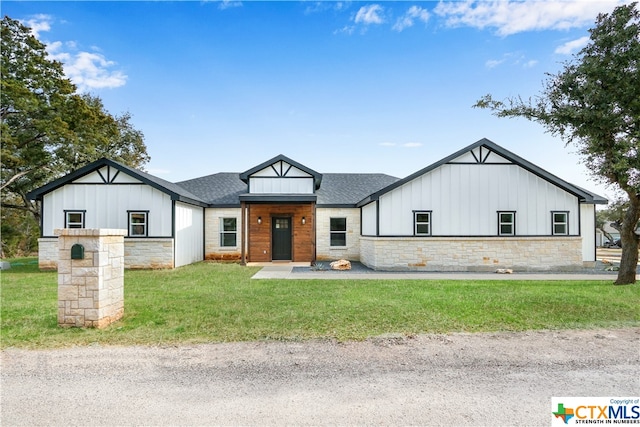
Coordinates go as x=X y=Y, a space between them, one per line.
x=175 y=191
x=485 y=151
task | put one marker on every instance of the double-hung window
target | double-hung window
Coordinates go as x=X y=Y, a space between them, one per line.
x=560 y=223
x=138 y=223
x=422 y=223
x=506 y=223
x=74 y=219
x=228 y=232
x=338 y=232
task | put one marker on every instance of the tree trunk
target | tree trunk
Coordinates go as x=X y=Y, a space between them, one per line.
x=629 y=239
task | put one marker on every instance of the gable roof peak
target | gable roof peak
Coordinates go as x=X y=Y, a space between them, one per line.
x=317 y=177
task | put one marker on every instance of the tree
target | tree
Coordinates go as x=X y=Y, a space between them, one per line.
x=47 y=129
x=594 y=103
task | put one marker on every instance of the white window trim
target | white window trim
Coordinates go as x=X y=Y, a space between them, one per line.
x=565 y=223
x=67 y=223
x=331 y=232
x=222 y=232
x=416 y=223
x=145 y=223
x=512 y=223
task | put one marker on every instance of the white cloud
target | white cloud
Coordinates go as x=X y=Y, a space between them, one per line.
x=407 y=20
x=370 y=14
x=492 y=63
x=572 y=46
x=530 y=64
x=511 y=17
x=87 y=70
x=226 y=4
x=38 y=23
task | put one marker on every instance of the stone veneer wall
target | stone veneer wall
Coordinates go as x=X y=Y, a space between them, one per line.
x=472 y=253
x=143 y=253
x=146 y=253
x=324 y=251
x=212 y=248
x=91 y=289
x=48 y=253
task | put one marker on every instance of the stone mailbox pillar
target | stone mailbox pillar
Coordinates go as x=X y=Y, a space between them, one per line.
x=90 y=276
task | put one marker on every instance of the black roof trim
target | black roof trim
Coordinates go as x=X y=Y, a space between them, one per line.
x=278 y=198
x=175 y=191
x=583 y=195
x=317 y=177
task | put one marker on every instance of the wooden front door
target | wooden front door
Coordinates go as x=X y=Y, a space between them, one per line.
x=281 y=238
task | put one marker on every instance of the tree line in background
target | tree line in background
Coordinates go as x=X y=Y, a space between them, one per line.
x=594 y=103
x=47 y=131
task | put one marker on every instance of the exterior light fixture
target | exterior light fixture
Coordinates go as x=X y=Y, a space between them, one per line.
x=259 y=220
x=304 y=220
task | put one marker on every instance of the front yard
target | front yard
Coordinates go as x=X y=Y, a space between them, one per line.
x=210 y=302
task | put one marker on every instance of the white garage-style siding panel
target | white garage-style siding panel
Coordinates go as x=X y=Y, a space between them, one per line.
x=106 y=206
x=588 y=232
x=465 y=198
x=369 y=219
x=189 y=234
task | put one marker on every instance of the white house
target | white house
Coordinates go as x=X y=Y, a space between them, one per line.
x=478 y=209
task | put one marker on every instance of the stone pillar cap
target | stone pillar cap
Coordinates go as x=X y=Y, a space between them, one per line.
x=77 y=232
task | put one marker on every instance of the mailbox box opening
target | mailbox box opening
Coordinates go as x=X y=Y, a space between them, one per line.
x=77 y=251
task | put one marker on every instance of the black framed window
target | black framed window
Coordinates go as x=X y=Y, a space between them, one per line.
x=228 y=232
x=560 y=223
x=422 y=223
x=507 y=223
x=138 y=223
x=338 y=232
x=74 y=219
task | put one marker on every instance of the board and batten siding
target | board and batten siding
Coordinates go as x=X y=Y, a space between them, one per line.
x=588 y=232
x=106 y=205
x=189 y=243
x=369 y=219
x=465 y=198
x=281 y=178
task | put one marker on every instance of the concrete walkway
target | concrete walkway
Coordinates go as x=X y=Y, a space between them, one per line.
x=286 y=271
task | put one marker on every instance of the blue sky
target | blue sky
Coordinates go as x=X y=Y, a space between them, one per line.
x=337 y=86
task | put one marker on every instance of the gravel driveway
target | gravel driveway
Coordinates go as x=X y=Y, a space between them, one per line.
x=454 y=379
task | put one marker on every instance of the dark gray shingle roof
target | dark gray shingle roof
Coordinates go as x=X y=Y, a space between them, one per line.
x=220 y=189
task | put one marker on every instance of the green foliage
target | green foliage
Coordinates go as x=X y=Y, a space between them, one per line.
x=594 y=103
x=208 y=302
x=47 y=129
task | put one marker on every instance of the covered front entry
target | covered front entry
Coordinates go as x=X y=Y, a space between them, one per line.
x=279 y=232
x=281 y=238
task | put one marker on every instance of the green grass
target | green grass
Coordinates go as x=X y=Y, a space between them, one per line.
x=209 y=302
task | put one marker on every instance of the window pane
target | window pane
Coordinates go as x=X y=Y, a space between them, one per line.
x=559 y=217
x=228 y=224
x=338 y=239
x=506 y=229
x=338 y=224
x=137 y=230
x=228 y=239
x=559 y=229
x=506 y=217
x=138 y=218
x=282 y=223
x=422 y=217
x=422 y=228
x=74 y=217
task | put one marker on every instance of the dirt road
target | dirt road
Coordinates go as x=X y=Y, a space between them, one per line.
x=456 y=379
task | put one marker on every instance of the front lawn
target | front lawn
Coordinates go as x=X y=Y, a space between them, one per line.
x=209 y=302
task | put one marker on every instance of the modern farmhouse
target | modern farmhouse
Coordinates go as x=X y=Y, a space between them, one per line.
x=478 y=209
